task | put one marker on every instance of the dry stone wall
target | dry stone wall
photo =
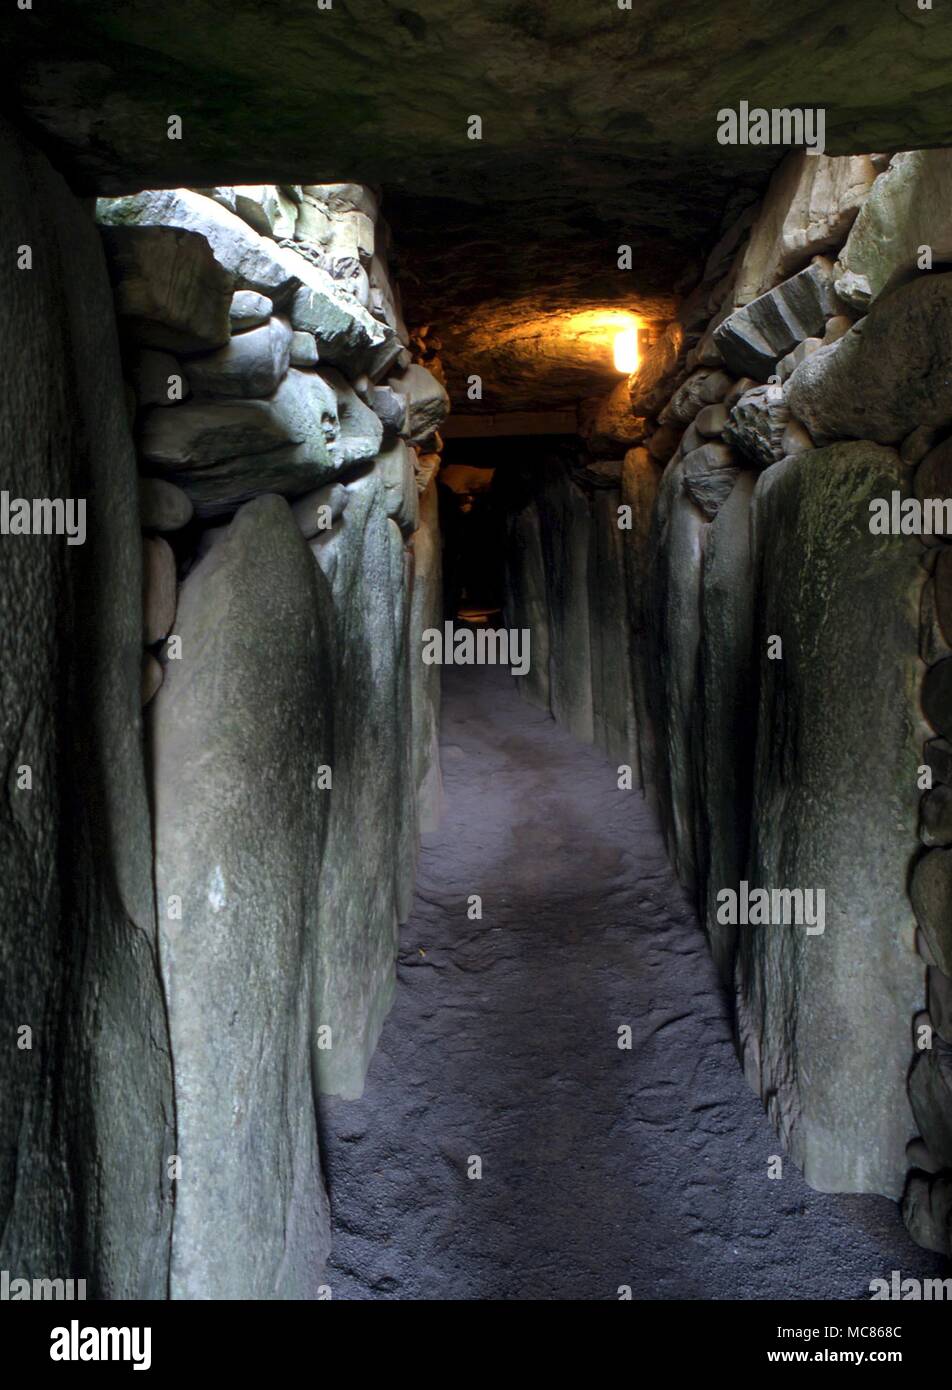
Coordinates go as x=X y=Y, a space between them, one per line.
x=220 y=547
x=790 y=648
x=291 y=557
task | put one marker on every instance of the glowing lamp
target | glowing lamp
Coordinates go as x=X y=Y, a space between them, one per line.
x=626 y=351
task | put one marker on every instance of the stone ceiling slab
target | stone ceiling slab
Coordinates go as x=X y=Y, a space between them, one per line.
x=599 y=123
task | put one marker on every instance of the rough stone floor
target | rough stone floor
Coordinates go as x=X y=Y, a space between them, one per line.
x=600 y=1167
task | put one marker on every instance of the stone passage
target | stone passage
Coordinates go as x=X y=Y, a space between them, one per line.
x=600 y=1167
x=786 y=540
x=715 y=491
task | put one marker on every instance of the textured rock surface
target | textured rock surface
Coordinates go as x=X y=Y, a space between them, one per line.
x=927 y=1211
x=888 y=375
x=223 y=453
x=937 y=696
x=324 y=504
x=789 y=364
x=613 y=708
x=266 y=208
x=86 y=1115
x=372 y=802
x=708 y=474
x=202 y=433
x=707 y=303
x=427 y=402
x=575 y=885
x=937 y=756
x=565 y=522
x=725 y=750
x=702 y=388
x=240 y=728
x=249 y=310
x=753 y=339
x=346 y=333
x=933 y=646
x=758 y=424
x=940 y=1002
x=673 y=622
x=639 y=487
x=931 y=892
x=359 y=432
x=157 y=378
x=153 y=674
x=933 y=481
x=390 y=408
x=711 y=420
x=808 y=209
x=255 y=262
x=162 y=505
x=526 y=600
x=607 y=424
x=250 y=365
x=907 y=209
x=170 y=291
x=651 y=385
x=827 y=815
x=342 y=276
x=662 y=443
x=395 y=467
x=935 y=817
x=426 y=611
x=304 y=351
x=158 y=589
x=930 y=1091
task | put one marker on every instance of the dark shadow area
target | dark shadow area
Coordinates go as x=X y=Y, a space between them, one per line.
x=475 y=493
x=473 y=531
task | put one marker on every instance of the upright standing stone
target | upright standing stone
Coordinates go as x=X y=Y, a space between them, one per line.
x=566 y=531
x=725 y=753
x=86 y=1115
x=639 y=488
x=825 y=1019
x=674 y=630
x=426 y=611
x=527 y=605
x=241 y=728
x=363 y=876
x=613 y=710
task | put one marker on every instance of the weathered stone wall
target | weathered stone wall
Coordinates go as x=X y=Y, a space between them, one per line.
x=779 y=646
x=85 y=1073
x=805 y=707
x=189 y=1000
x=566 y=583
x=269 y=357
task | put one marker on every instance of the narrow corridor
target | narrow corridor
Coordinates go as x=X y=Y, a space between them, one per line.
x=601 y=1167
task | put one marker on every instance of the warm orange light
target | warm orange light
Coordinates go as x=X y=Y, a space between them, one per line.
x=626 y=351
